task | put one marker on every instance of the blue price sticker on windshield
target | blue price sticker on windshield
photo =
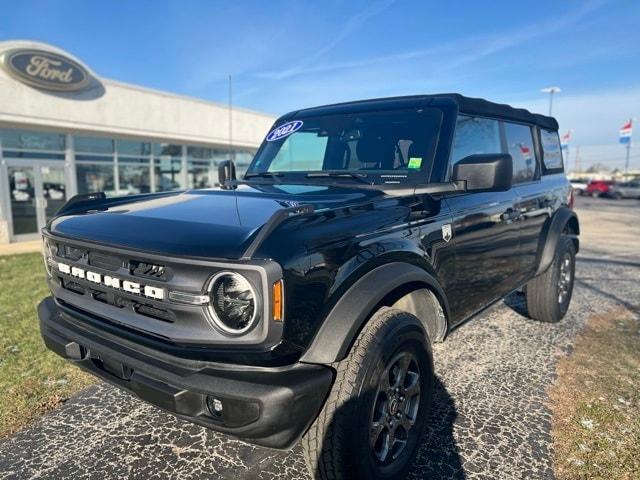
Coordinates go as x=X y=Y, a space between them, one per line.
x=284 y=130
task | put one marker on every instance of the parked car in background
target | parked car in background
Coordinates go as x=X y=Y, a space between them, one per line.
x=579 y=185
x=598 y=188
x=625 y=190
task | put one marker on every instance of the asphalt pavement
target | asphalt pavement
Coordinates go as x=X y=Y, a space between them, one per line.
x=490 y=418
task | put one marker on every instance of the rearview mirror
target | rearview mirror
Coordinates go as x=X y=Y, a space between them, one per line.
x=485 y=172
x=226 y=172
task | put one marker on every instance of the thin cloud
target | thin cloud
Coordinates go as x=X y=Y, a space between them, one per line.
x=477 y=47
x=351 y=25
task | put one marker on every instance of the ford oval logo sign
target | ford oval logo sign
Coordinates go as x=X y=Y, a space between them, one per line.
x=284 y=130
x=47 y=70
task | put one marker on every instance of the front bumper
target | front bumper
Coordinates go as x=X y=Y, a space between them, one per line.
x=271 y=407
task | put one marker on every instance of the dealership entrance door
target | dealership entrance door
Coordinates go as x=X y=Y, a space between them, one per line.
x=36 y=192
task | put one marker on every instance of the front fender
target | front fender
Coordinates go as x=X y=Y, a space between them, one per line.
x=345 y=320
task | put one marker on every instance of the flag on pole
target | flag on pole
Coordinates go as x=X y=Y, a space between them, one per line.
x=564 y=142
x=625 y=132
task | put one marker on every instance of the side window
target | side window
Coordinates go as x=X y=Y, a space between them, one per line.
x=551 y=152
x=520 y=146
x=474 y=135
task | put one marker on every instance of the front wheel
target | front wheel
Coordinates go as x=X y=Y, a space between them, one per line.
x=549 y=294
x=372 y=421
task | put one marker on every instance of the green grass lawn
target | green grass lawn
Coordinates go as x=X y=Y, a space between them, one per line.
x=32 y=379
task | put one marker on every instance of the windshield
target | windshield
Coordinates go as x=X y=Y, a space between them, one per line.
x=379 y=147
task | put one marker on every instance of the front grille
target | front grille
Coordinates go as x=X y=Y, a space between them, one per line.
x=70 y=252
x=131 y=289
x=148 y=270
x=108 y=262
x=116 y=300
x=113 y=263
x=72 y=286
x=153 y=312
x=101 y=297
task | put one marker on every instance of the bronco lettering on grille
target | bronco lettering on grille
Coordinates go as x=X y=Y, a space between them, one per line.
x=113 y=282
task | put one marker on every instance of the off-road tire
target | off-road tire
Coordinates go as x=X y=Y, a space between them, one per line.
x=542 y=293
x=337 y=446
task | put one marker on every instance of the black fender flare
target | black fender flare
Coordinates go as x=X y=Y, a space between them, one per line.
x=342 y=325
x=551 y=233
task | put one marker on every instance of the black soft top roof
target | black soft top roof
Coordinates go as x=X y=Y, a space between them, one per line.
x=471 y=106
x=480 y=106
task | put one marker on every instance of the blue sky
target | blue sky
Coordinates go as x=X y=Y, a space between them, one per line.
x=285 y=55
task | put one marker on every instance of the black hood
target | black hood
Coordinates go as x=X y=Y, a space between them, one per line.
x=212 y=223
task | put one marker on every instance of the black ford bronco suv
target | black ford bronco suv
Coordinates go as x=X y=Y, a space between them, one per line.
x=299 y=303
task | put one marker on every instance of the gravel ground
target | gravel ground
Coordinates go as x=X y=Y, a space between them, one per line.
x=490 y=416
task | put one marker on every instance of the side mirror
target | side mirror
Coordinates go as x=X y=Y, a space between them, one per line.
x=485 y=173
x=226 y=172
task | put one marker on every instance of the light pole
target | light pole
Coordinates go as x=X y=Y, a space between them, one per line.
x=551 y=91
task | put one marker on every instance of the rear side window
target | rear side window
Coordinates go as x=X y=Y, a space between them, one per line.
x=551 y=151
x=520 y=145
x=475 y=135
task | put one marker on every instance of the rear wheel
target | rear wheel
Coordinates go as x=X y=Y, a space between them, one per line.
x=617 y=196
x=371 y=424
x=549 y=294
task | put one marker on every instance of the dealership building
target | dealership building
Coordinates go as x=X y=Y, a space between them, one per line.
x=65 y=131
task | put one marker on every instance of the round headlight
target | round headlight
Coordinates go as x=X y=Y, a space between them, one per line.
x=233 y=303
x=49 y=250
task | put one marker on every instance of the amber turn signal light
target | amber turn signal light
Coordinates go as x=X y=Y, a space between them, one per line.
x=278 y=300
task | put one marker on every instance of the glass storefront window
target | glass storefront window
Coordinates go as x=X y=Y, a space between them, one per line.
x=132 y=148
x=199 y=163
x=167 y=150
x=93 y=145
x=168 y=174
x=242 y=160
x=32 y=145
x=133 y=179
x=199 y=174
x=220 y=154
x=95 y=178
x=200 y=153
x=28 y=140
x=93 y=149
x=167 y=166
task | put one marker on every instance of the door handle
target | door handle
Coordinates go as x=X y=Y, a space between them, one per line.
x=510 y=214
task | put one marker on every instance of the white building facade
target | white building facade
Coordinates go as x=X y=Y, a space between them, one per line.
x=65 y=131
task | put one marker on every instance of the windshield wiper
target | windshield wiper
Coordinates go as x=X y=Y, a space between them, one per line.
x=263 y=174
x=362 y=177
